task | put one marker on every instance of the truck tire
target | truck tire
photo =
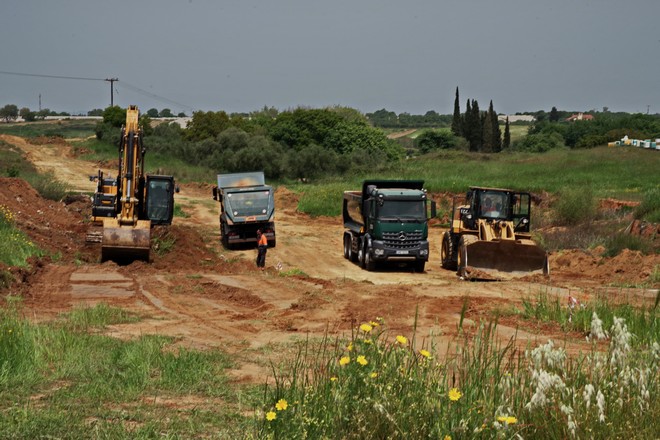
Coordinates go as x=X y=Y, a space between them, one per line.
x=448 y=253
x=369 y=263
x=347 y=246
x=224 y=237
x=360 y=256
x=419 y=266
x=272 y=243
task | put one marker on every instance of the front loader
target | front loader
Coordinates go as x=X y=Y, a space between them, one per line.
x=489 y=236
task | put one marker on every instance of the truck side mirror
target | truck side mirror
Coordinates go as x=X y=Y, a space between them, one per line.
x=434 y=209
x=177 y=189
x=215 y=193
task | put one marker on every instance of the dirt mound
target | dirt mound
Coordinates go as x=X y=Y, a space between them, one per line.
x=629 y=267
x=55 y=227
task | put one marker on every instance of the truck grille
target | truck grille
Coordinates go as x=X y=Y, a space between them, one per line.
x=402 y=240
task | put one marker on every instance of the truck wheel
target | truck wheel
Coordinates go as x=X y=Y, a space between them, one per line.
x=347 y=247
x=447 y=252
x=272 y=243
x=360 y=256
x=369 y=263
x=419 y=266
x=224 y=238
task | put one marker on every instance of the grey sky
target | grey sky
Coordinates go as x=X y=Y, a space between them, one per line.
x=405 y=56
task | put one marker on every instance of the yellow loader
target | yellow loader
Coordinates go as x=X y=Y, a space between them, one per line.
x=489 y=236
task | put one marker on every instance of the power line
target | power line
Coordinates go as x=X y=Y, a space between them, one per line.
x=153 y=95
x=51 y=76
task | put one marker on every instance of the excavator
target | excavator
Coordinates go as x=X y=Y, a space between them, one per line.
x=489 y=236
x=129 y=205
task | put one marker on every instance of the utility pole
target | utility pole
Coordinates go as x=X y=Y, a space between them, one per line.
x=112 y=94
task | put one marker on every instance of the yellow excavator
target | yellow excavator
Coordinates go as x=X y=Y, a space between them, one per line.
x=131 y=204
x=489 y=236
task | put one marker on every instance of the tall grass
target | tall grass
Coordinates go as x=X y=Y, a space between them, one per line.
x=62 y=380
x=15 y=247
x=378 y=384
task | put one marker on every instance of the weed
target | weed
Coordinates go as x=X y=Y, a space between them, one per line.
x=294 y=271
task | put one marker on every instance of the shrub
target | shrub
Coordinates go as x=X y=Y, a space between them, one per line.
x=649 y=209
x=540 y=143
x=431 y=140
x=48 y=186
x=616 y=243
x=575 y=206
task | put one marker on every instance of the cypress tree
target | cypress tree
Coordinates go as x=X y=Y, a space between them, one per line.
x=506 y=142
x=475 y=129
x=487 y=124
x=497 y=133
x=456 y=121
x=466 y=125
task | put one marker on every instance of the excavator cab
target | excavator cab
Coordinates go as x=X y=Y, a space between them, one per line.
x=160 y=199
x=489 y=236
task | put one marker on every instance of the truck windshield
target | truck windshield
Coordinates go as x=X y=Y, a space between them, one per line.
x=402 y=210
x=248 y=203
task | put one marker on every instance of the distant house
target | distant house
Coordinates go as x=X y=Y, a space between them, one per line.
x=580 y=117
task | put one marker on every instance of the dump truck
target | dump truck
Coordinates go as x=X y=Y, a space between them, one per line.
x=130 y=204
x=489 y=236
x=247 y=204
x=387 y=222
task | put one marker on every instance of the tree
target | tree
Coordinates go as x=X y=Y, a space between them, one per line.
x=181 y=115
x=497 y=133
x=475 y=138
x=115 y=116
x=95 y=112
x=166 y=113
x=554 y=115
x=506 y=142
x=27 y=115
x=152 y=113
x=466 y=121
x=205 y=125
x=456 y=121
x=9 y=112
x=431 y=140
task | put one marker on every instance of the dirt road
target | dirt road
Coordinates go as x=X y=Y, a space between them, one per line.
x=204 y=296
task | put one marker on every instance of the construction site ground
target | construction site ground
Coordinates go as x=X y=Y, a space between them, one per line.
x=205 y=297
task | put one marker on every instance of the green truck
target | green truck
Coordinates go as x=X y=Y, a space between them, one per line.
x=387 y=222
x=246 y=205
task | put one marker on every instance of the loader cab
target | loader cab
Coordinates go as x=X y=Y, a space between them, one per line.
x=159 y=206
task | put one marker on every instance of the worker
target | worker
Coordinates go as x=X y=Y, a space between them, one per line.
x=262 y=247
x=488 y=206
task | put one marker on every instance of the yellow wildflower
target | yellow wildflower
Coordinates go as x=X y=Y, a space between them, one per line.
x=425 y=353
x=447 y=437
x=454 y=394
x=365 y=328
x=270 y=416
x=509 y=420
x=374 y=375
x=368 y=341
x=344 y=360
x=362 y=360
x=350 y=347
x=401 y=340
x=373 y=323
x=333 y=378
x=281 y=405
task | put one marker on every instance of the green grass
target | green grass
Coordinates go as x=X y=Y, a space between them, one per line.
x=15 y=246
x=65 y=128
x=61 y=380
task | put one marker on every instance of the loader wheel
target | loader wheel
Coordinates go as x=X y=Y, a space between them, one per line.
x=463 y=243
x=447 y=252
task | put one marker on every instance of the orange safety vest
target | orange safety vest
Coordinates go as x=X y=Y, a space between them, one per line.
x=263 y=241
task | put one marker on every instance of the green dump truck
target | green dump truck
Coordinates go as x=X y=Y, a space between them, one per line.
x=387 y=222
x=246 y=205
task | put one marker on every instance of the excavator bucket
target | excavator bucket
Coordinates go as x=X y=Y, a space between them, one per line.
x=502 y=259
x=125 y=243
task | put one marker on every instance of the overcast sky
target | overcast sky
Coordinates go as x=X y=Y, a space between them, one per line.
x=404 y=56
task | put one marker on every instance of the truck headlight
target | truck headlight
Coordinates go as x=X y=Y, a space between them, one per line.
x=424 y=252
x=379 y=252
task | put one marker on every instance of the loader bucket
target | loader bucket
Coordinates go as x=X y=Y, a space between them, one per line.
x=125 y=243
x=503 y=259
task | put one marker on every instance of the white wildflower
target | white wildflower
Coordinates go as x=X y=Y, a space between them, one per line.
x=620 y=342
x=545 y=383
x=572 y=426
x=600 y=402
x=597 y=330
x=587 y=393
x=547 y=355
